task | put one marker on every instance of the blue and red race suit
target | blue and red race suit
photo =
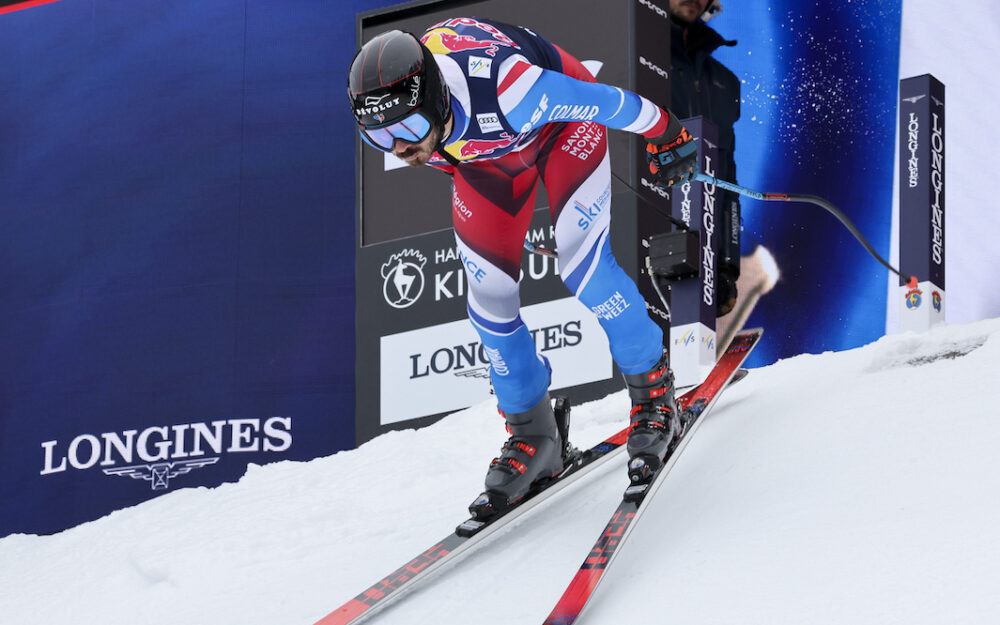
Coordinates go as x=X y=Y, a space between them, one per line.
x=526 y=111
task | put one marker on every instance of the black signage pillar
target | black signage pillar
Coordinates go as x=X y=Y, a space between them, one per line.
x=692 y=346
x=921 y=201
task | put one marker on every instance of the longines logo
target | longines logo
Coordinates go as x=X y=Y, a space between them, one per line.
x=708 y=227
x=442 y=368
x=166 y=452
x=475 y=359
x=158 y=475
x=937 y=185
x=403 y=276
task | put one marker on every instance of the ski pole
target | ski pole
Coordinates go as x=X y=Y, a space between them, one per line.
x=811 y=199
x=541 y=251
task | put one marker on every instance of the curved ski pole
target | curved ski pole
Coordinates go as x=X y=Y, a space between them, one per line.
x=811 y=199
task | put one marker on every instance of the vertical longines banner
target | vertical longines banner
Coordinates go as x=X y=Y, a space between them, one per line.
x=921 y=201
x=418 y=357
x=693 y=335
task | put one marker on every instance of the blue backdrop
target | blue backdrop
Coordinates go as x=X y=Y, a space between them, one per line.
x=176 y=241
x=818 y=117
x=177 y=228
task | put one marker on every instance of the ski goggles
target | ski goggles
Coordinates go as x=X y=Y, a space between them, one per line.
x=413 y=128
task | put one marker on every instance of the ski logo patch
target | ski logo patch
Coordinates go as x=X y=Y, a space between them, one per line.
x=480 y=67
x=685 y=340
x=489 y=122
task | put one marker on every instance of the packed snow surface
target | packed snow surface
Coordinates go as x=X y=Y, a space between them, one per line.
x=852 y=487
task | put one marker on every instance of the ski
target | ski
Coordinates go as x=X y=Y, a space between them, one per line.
x=466 y=535
x=694 y=404
x=472 y=532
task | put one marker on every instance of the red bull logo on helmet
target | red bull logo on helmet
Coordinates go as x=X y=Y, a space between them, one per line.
x=443 y=39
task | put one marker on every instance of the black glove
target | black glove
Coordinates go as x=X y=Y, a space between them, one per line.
x=673 y=161
x=725 y=290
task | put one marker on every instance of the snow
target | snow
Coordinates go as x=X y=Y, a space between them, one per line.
x=850 y=487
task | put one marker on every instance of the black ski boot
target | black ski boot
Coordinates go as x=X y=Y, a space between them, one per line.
x=535 y=452
x=655 y=420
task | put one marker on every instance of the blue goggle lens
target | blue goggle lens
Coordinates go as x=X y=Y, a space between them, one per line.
x=412 y=129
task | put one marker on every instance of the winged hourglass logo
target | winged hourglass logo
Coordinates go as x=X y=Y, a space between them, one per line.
x=159 y=473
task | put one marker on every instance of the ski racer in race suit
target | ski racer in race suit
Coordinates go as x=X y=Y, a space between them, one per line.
x=501 y=109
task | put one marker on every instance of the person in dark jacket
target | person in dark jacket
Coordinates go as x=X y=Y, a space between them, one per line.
x=701 y=85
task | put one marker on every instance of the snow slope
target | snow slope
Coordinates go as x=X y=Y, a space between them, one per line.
x=852 y=487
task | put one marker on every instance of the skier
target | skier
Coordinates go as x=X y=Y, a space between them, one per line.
x=500 y=108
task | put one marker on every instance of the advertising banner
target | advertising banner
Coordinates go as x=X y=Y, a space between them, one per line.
x=189 y=285
x=419 y=356
x=176 y=268
x=445 y=368
x=693 y=305
x=922 y=201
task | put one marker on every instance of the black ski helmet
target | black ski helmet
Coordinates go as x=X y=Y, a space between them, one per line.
x=392 y=76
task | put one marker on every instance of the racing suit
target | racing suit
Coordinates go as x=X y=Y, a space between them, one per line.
x=526 y=112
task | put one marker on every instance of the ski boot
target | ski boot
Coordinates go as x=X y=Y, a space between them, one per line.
x=655 y=419
x=535 y=452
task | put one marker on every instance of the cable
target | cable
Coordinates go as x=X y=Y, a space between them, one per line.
x=811 y=199
x=677 y=222
x=765 y=197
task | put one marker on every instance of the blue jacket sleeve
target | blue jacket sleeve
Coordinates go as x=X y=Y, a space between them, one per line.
x=536 y=96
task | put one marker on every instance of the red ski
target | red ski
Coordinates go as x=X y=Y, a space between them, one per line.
x=695 y=404
x=471 y=532
x=468 y=534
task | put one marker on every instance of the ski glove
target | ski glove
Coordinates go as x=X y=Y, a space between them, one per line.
x=674 y=161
